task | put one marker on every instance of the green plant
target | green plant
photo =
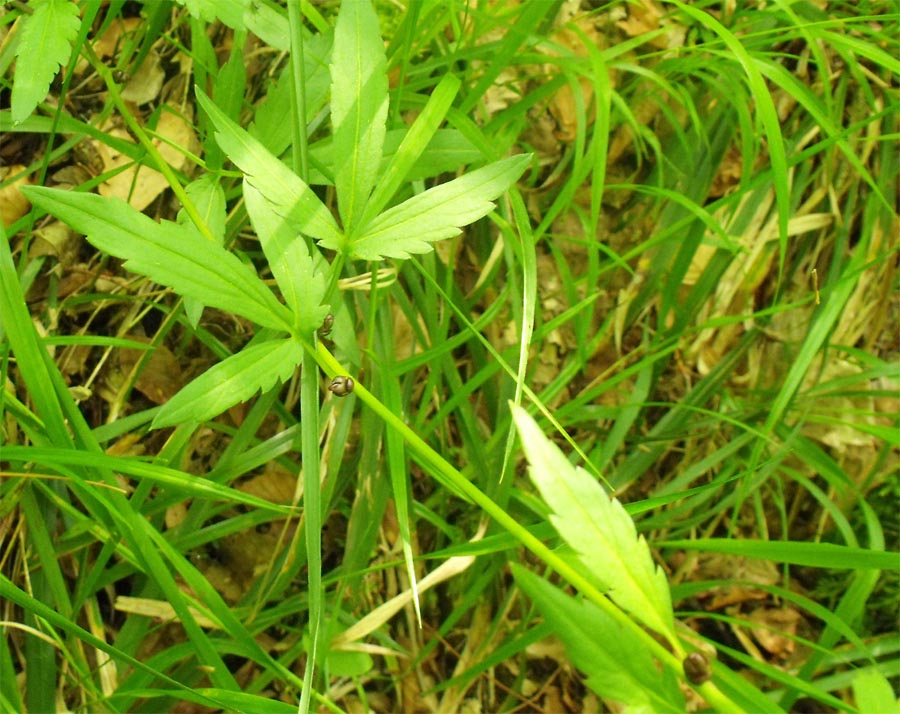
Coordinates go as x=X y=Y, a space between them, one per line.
x=716 y=462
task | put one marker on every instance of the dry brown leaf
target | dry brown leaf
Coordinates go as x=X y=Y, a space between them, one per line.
x=175 y=514
x=140 y=185
x=275 y=484
x=645 y=17
x=13 y=204
x=145 y=85
x=58 y=240
x=716 y=566
x=110 y=41
x=775 y=624
x=160 y=378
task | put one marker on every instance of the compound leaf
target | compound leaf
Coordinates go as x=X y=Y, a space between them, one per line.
x=435 y=214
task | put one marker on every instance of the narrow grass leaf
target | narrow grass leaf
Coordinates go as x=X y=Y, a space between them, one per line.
x=359 y=105
x=768 y=115
x=599 y=529
x=301 y=284
x=778 y=75
x=815 y=555
x=209 y=601
x=823 y=323
x=397 y=460
x=616 y=663
x=17 y=328
x=167 y=254
x=435 y=214
x=45 y=44
x=106 y=505
x=287 y=192
x=178 y=481
x=528 y=257
x=243 y=702
x=8 y=591
x=10 y=690
x=235 y=380
x=521 y=33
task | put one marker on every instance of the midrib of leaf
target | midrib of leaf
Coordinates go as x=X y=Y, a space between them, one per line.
x=359 y=99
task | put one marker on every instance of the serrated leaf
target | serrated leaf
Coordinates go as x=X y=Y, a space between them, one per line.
x=302 y=286
x=289 y=195
x=435 y=214
x=359 y=105
x=235 y=380
x=617 y=664
x=209 y=199
x=167 y=254
x=599 y=529
x=45 y=44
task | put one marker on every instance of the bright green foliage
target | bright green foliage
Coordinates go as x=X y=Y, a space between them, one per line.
x=283 y=208
x=691 y=289
x=359 y=105
x=301 y=283
x=230 y=12
x=168 y=254
x=234 y=380
x=45 y=44
x=874 y=693
x=436 y=214
x=282 y=188
x=599 y=530
x=209 y=198
x=616 y=663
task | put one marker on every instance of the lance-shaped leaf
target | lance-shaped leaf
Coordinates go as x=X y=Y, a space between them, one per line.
x=617 y=664
x=294 y=269
x=288 y=194
x=359 y=104
x=435 y=214
x=235 y=380
x=599 y=529
x=167 y=254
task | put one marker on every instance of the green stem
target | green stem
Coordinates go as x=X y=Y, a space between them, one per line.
x=450 y=477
